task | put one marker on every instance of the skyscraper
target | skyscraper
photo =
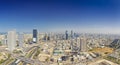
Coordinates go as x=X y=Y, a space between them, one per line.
x=4 y=41
x=66 y=35
x=21 y=40
x=72 y=36
x=35 y=35
x=45 y=37
x=83 y=45
x=11 y=40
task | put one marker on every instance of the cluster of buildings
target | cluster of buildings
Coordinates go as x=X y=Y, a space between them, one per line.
x=13 y=39
x=59 y=47
x=78 y=42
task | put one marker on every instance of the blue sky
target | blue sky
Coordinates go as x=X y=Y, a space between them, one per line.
x=60 y=15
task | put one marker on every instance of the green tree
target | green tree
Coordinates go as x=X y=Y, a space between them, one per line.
x=0 y=43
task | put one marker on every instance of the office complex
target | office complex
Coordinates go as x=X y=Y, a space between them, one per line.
x=72 y=36
x=4 y=41
x=11 y=40
x=35 y=35
x=21 y=40
x=83 y=45
x=66 y=35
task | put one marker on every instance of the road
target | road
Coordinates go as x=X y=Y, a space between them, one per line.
x=28 y=57
x=102 y=60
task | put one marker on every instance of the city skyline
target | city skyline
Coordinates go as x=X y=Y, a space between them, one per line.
x=91 y=16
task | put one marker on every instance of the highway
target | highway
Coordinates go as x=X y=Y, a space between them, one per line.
x=8 y=61
x=27 y=57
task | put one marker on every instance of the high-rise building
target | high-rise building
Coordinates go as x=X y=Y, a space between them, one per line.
x=4 y=41
x=66 y=35
x=21 y=40
x=72 y=36
x=11 y=40
x=35 y=33
x=45 y=37
x=78 y=43
x=71 y=45
x=83 y=45
x=48 y=38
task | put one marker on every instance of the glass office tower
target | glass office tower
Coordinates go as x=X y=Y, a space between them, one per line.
x=35 y=35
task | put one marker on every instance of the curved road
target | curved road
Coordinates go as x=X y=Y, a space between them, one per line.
x=31 y=51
